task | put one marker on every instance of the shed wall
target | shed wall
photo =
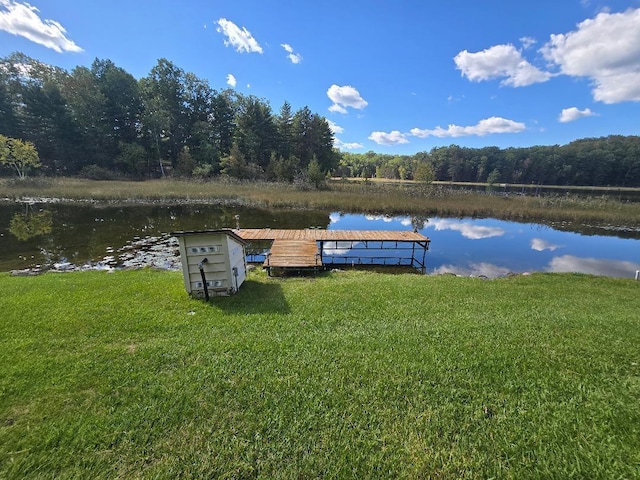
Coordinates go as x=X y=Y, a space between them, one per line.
x=223 y=254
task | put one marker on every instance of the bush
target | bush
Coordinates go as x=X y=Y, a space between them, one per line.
x=95 y=172
x=203 y=171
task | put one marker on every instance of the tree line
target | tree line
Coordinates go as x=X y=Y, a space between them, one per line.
x=606 y=161
x=101 y=121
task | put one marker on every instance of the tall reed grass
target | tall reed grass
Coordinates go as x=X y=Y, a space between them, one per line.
x=363 y=197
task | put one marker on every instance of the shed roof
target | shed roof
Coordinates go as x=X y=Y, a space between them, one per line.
x=225 y=231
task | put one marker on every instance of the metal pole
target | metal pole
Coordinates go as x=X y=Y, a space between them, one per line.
x=204 y=278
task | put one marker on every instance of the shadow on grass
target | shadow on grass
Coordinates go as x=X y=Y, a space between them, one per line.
x=254 y=297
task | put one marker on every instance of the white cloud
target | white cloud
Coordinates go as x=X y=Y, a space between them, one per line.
x=337 y=129
x=605 y=49
x=294 y=57
x=571 y=114
x=23 y=20
x=499 y=61
x=389 y=139
x=231 y=81
x=346 y=146
x=343 y=97
x=237 y=37
x=528 y=42
x=335 y=108
x=472 y=232
x=594 y=266
x=334 y=127
x=483 y=127
x=541 y=245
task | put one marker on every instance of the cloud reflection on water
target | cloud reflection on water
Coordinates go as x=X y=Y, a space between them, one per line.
x=384 y=218
x=334 y=218
x=541 y=245
x=509 y=246
x=594 y=266
x=480 y=269
x=339 y=248
x=468 y=230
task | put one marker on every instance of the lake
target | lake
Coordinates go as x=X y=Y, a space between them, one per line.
x=44 y=234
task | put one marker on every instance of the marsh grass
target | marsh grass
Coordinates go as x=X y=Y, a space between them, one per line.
x=361 y=197
x=347 y=375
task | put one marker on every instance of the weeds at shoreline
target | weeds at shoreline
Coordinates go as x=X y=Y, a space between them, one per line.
x=363 y=197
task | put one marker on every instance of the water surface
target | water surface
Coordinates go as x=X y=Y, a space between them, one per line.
x=493 y=248
x=48 y=233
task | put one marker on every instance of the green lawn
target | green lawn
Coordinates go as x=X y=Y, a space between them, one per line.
x=347 y=375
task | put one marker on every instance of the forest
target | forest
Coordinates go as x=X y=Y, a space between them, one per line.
x=606 y=161
x=102 y=123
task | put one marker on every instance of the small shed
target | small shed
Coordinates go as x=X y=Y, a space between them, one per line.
x=213 y=262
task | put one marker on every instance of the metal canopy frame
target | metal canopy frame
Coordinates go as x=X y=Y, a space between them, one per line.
x=405 y=253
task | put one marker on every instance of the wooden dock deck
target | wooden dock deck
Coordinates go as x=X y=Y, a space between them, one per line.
x=293 y=254
x=303 y=249
x=316 y=234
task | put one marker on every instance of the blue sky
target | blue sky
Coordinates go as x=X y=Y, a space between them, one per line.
x=392 y=76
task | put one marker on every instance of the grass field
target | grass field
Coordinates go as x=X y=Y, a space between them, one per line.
x=347 y=375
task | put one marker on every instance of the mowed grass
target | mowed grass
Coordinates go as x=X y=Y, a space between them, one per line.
x=347 y=375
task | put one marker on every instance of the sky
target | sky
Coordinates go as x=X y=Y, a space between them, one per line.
x=390 y=76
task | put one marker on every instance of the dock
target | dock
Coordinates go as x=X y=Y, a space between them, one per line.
x=293 y=254
x=314 y=249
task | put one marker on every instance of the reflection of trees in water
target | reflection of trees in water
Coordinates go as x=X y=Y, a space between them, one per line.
x=418 y=222
x=31 y=224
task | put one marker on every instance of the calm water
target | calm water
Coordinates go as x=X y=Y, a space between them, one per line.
x=495 y=248
x=42 y=234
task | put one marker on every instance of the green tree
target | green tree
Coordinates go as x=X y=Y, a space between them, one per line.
x=43 y=116
x=234 y=165
x=8 y=121
x=423 y=173
x=122 y=103
x=223 y=107
x=186 y=163
x=133 y=159
x=313 y=136
x=19 y=155
x=492 y=179
x=283 y=169
x=256 y=132
x=165 y=110
x=315 y=175
x=201 y=139
x=86 y=106
x=284 y=123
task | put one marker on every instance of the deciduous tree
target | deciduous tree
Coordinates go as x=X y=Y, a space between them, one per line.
x=21 y=156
